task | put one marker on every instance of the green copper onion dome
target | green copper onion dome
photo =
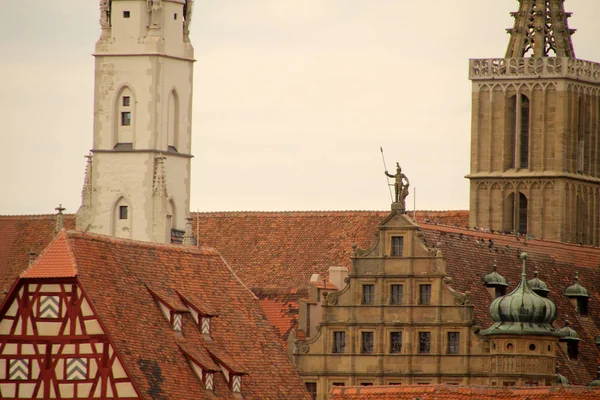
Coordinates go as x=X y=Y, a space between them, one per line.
x=538 y=285
x=494 y=279
x=568 y=334
x=576 y=290
x=561 y=380
x=522 y=312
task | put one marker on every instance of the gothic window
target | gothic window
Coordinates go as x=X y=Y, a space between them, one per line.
x=453 y=342
x=173 y=122
x=425 y=294
x=339 y=342
x=522 y=217
x=124 y=116
x=396 y=294
x=583 y=136
x=368 y=296
x=397 y=245
x=515 y=213
x=311 y=388
x=517 y=132
x=524 y=133
x=424 y=342
x=367 y=342
x=395 y=342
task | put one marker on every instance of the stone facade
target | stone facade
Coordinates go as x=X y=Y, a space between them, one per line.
x=536 y=133
x=396 y=320
x=137 y=182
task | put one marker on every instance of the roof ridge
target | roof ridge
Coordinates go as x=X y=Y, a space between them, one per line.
x=203 y=250
x=32 y=216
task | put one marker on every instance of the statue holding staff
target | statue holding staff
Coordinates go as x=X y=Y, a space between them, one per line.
x=401 y=185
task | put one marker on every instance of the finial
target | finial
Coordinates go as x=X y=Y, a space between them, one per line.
x=576 y=276
x=524 y=258
x=495 y=267
x=535 y=274
x=60 y=223
x=567 y=320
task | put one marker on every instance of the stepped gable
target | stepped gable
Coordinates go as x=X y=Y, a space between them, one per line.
x=19 y=235
x=445 y=392
x=470 y=257
x=116 y=274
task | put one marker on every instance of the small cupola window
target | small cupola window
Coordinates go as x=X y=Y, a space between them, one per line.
x=232 y=371
x=495 y=283
x=171 y=306
x=570 y=337
x=578 y=295
x=538 y=286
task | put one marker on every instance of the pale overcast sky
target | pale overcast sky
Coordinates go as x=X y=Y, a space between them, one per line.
x=292 y=99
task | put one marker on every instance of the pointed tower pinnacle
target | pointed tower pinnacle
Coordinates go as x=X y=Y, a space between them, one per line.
x=60 y=221
x=160 y=179
x=541 y=30
x=188 y=237
x=86 y=191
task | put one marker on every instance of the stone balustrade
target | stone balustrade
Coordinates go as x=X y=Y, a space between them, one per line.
x=546 y=67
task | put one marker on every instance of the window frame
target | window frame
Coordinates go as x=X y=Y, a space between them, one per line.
x=425 y=296
x=123 y=213
x=424 y=342
x=339 y=342
x=397 y=247
x=395 y=298
x=125 y=118
x=368 y=298
x=367 y=342
x=453 y=342
x=126 y=101
x=397 y=334
x=126 y=14
x=312 y=391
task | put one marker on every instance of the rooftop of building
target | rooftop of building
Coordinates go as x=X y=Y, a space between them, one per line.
x=122 y=279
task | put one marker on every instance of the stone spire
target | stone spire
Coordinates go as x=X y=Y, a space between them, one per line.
x=541 y=30
x=86 y=191
x=60 y=221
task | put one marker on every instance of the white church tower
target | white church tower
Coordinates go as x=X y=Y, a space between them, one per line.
x=137 y=182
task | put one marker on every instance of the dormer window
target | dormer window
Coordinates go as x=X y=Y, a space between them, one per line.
x=200 y=312
x=171 y=307
x=397 y=246
x=582 y=306
x=205 y=327
x=231 y=371
x=202 y=364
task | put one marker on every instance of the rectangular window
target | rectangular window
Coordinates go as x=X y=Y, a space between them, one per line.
x=453 y=342
x=338 y=384
x=396 y=294
x=126 y=14
x=311 y=388
x=531 y=383
x=126 y=118
x=339 y=342
x=395 y=342
x=424 y=342
x=397 y=245
x=366 y=384
x=126 y=101
x=122 y=212
x=368 y=296
x=175 y=16
x=424 y=294
x=367 y=342
x=509 y=383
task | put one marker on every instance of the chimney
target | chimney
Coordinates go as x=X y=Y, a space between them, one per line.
x=337 y=276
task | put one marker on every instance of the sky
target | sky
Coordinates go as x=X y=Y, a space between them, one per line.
x=292 y=99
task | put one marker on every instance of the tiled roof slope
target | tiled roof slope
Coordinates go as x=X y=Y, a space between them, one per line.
x=283 y=249
x=18 y=236
x=116 y=275
x=422 y=392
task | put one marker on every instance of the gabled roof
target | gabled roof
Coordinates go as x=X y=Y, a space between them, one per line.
x=448 y=392
x=116 y=275
x=56 y=261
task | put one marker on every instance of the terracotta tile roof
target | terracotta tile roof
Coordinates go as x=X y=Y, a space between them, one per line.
x=439 y=392
x=268 y=239
x=281 y=309
x=115 y=275
x=18 y=236
x=56 y=261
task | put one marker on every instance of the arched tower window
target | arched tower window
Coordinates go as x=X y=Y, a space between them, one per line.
x=124 y=119
x=583 y=139
x=517 y=134
x=173 y=122
x=122 y=218
x=515 y=213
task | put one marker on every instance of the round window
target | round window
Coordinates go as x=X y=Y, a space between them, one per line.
x=532 y=347
x=509 y=346
x=549 y=348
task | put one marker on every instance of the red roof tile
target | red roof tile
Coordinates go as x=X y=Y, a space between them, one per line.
x=440 y=392
x=56 y=261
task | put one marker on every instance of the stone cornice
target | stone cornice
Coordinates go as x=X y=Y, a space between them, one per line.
x=165 y=153
x=511 y=175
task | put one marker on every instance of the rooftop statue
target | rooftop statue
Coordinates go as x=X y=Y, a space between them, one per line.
x=401 y=185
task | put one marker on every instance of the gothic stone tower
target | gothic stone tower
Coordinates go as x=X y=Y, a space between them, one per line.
x=535 y=145
x=137 y=182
